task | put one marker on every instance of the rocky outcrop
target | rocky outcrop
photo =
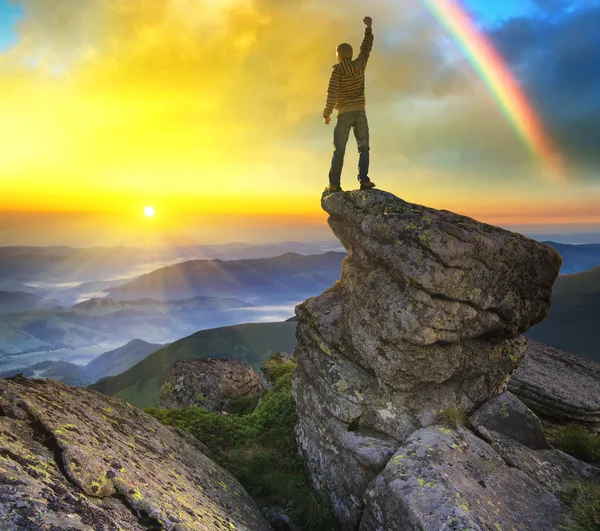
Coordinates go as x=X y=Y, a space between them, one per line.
x=558 y=384
x=75 y=459
x=450 y=479
x=270 y=370
x=214 y=384
x=425 y=319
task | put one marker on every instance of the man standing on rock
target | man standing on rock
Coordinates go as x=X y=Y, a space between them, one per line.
x=346 y=93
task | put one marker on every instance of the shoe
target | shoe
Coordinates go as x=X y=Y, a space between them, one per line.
x=331 y=189
x=366 y=185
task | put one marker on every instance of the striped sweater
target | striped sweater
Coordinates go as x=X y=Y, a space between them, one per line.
x=346 y=90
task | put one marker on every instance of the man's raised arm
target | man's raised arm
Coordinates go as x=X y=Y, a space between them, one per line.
x=367 y=43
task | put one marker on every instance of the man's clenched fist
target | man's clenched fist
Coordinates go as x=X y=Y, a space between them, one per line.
x=368 y=21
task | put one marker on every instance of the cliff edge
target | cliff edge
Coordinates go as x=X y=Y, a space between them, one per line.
x=425 y=321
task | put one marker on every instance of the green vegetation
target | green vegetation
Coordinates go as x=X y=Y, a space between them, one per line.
x=577 y=441
x=274 y=367
x=584 y=497
x=250 y=343
x=260 y=450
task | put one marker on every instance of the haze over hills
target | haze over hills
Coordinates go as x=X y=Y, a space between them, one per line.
x=107 y=364
x=577 y=258
x=574 y=316
x=250 y=343
x=70 y=275
x=81 y=331
x=104 y=321
x=72 y=264
x=18 y=301
x=290 y=277
x=170 y=302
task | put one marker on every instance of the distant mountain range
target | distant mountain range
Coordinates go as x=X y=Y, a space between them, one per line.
x=107 y=364
x=173 y=301
x=41 y=270
x=69 y=275
x=251 y=343
x=574 y=320
x=167 y=304
x=19 y=301
x=106 y=321
x=570 y=238
x=290 y=277
x=577 y=258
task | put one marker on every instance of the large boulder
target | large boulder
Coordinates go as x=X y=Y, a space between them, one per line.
x=426 y=318
x=71 y=458
x=558 y=384
x=210 y=383
x=451 y=479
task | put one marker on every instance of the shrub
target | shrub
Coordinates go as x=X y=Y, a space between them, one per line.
x=260 y=450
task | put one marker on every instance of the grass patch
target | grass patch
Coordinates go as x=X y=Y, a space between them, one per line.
x=584 y=497
x=260 y=450
x=575 y=440
x=452 y=417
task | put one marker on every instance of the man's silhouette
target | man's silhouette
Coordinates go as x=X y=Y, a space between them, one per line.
x=346 y=93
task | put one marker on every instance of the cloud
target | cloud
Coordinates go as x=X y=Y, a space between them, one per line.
x=207 y=101
x=558 y=59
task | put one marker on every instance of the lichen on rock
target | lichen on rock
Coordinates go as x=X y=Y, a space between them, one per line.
x=71 y=458
x=450 y=479
x=427 y=317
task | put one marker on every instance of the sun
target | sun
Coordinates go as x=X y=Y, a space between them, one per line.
x=149 y=211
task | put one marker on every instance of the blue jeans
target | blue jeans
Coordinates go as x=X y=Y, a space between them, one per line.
x=356 y=120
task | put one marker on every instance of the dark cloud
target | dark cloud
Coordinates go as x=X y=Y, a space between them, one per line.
x=558 y=61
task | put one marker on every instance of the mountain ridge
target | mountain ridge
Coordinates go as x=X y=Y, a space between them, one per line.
x=251 y=343
x=286 y=277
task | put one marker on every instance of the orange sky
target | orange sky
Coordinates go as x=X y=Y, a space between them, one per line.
x=202 y=108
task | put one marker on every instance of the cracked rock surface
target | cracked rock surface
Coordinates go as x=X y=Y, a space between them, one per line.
x=74 y=459
x=426 y=318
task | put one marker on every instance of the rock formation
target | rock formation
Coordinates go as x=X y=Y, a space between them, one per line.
x=75 y=459
x=450 y=479
x=426 y=320
x=210 y=383
x=574 y=396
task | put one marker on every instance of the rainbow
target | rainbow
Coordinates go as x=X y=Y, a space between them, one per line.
x=496 y=75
